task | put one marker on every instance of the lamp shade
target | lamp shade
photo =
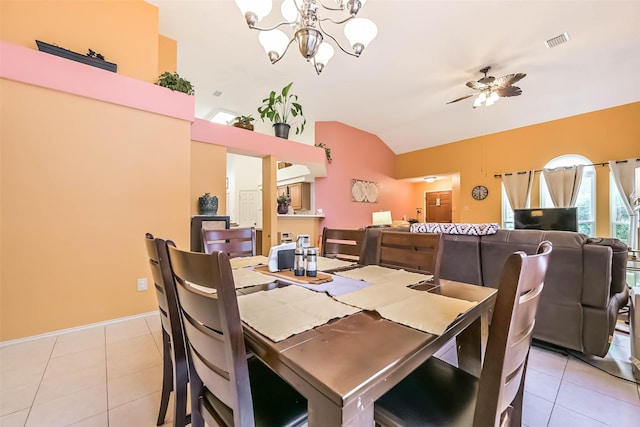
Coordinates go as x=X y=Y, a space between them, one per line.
x=289 y=10
x=381 y=218
x=260 y=8
x=273 y=41
x=324 y=54
x=360 y=31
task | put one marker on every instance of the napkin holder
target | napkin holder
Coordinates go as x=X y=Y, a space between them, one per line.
x=273 y=255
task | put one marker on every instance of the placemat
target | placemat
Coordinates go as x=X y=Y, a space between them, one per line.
x=325 y=263
x=248 y=261
x=242 y=278
x=375 y=296
x=385 y=276
x=426 y=312
x=282 y=312
x=291 y=277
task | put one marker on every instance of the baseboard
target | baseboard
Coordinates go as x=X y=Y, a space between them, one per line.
x=76 y=329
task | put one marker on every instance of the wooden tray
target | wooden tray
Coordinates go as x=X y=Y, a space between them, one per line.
x=290 y=276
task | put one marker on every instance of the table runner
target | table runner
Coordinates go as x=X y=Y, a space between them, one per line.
x=282 y=312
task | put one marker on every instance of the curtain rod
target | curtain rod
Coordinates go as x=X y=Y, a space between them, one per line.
x=500 y=175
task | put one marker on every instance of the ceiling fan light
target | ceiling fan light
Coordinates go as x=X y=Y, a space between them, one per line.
x=477 y=102
x=482 y=97
x=273 y=41
x=493 y=97
x=259 y=8
x=360 y=31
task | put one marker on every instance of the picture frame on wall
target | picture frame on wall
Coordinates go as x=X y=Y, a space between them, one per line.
x=364 y=191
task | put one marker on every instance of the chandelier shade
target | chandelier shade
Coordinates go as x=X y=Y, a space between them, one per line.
x=308 y=25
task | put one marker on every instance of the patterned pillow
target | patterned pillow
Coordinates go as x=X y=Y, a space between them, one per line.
x=456 y=228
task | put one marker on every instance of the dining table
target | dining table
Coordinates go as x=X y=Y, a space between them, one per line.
x=342 y=367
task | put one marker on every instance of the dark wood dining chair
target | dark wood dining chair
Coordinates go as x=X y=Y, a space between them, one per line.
x=412 y=251
x=235 y=242
x=347 y=245
x=175 y=374
x=227 y=388
x=438 y=394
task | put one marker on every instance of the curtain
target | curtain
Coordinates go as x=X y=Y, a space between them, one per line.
x=623 y=173
x=563 y=184
x=518 y=185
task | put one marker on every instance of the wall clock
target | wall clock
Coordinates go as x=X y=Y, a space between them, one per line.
x=479 y=192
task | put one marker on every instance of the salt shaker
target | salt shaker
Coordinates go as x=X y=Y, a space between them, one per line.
x=298 y=265
x=312 y=265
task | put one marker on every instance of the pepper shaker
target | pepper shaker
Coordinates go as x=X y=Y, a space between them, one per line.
x=298 y=266
x=312 y=266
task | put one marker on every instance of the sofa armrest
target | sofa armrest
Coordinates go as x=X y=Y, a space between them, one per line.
x=596 y=276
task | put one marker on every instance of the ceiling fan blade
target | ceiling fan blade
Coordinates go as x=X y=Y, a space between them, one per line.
x=460 y=99
x=509 y=79
x=476 y=85
x=507 y=91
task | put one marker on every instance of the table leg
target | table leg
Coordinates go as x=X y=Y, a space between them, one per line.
x=471 y=344
x=322 y=414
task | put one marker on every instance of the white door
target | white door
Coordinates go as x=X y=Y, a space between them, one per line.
x=248 y=208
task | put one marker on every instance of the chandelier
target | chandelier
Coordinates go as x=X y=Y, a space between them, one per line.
x=308 y=28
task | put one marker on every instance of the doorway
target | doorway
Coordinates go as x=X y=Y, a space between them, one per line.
x=438 y=206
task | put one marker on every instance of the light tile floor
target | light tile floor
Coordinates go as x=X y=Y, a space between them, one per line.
x=111 y=376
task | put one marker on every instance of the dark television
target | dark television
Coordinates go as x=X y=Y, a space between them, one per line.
x=565 y=219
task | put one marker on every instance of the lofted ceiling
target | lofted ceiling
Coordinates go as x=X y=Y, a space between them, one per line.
x=421 y=59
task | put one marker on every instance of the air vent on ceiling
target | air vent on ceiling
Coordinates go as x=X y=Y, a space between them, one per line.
x=558 y=40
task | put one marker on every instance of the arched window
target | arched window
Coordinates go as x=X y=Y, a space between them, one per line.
x=586 y=203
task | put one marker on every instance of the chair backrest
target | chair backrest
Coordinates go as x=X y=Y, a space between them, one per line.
x=166 y=294
x=505 y=361
x=213 y=331
x=411 y=251
x=347 y=245
x=235 y=242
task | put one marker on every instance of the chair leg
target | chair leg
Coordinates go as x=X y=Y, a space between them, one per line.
x=167 y=377
x=180 y=418
x=195 y=384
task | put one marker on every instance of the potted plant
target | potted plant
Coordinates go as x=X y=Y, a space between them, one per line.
x=244 y=122
x=284 y=111
x=208 y=204
x=327 y=150
x=174 y=82
x=283 y=204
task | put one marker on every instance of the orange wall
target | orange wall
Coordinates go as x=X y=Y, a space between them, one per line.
x=167 y=55
x=610 y=134
x=125 y=32
x=361 y=155
x=208 y=174
x=78 y=194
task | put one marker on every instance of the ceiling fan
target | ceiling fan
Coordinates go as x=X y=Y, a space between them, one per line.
x=491 y=89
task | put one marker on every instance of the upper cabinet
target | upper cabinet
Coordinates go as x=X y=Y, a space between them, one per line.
x=299 y=193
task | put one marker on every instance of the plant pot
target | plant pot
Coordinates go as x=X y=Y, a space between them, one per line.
x=208 y=205
x=74 y=56
x=281 y=130
x=247 y=126
x=283 y=208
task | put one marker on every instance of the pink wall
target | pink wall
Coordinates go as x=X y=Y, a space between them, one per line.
x=361 y=155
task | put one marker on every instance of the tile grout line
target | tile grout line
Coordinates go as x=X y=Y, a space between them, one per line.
x=44 y=371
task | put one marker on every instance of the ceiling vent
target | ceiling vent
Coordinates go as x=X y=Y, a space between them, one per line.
x=558 y=40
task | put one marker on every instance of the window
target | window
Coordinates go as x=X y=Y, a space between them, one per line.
x=619 y=216
x=586 y=202
x=507 y=212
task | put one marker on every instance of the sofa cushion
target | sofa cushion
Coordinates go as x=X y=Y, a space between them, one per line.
x=461 y=259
